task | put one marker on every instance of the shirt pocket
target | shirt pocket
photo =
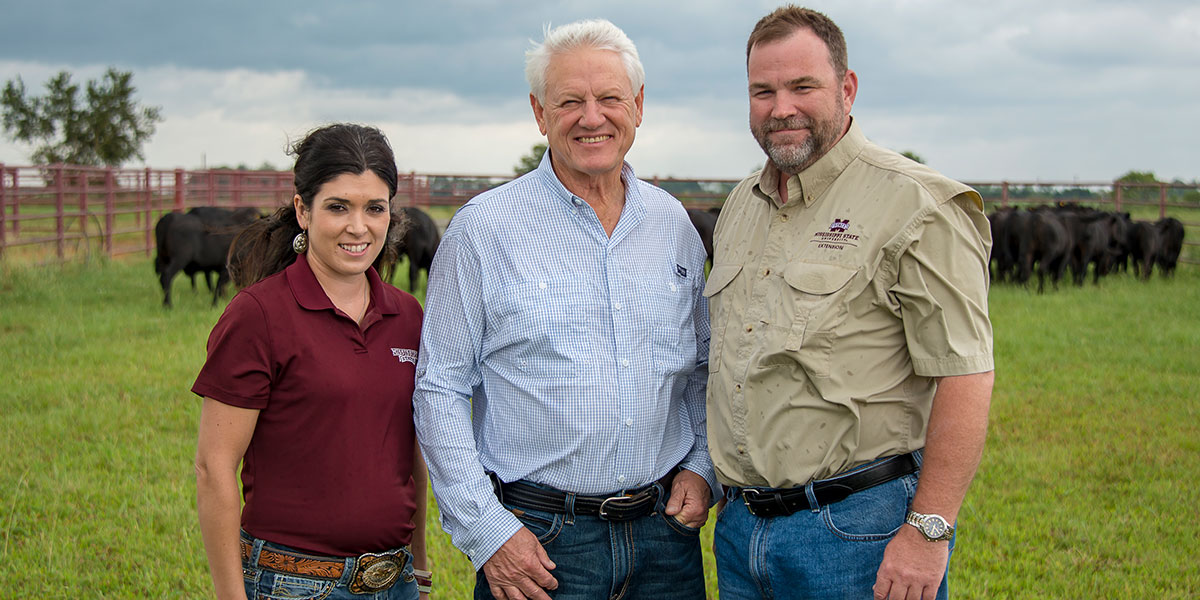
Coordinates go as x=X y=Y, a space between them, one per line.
x=539 y=328
x=816 y=311
x=670 y=306
x=719 y=279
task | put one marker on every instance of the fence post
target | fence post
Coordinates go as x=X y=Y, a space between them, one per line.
x=16 y=203
x=60 y=193
x=1162 y=200
x=149 y=228
x=3 y=209
x=1004 y=194
x=212 y=188
x=83 y=198
x=179 y=190
x=1117 y=196
x=110 y=205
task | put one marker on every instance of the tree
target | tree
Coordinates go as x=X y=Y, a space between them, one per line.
x=1145 y=192
x=909 y=154
x=530 y=161
x=107 y=129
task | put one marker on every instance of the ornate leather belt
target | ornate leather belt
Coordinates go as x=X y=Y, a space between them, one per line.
x=372 y=572
x=778 y=502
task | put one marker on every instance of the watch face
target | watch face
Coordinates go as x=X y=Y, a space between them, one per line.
x=934 y=527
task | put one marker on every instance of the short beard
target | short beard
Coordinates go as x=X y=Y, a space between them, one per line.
x=793 y=158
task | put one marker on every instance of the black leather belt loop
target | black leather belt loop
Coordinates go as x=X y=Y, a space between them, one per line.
x=631 y=505
x=778 y=502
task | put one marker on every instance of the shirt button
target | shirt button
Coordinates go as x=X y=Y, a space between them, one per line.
x=737 y=387
x=542 y=285
x=620 y=479
x=673 y=288
x=766 y=272
x=624 y=362
x=783 y=217
x=629 y=422
x=741 y=448
x=749 y=328
x=617 y=306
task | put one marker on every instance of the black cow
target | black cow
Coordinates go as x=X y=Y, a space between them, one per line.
x=1170 y=236
x=1092 y=244
x=419 y=244
x=705 y=221
x=1039 y=238
x=198 y=242
x=161 y=259
x=1002 y=252
x=1144 y=247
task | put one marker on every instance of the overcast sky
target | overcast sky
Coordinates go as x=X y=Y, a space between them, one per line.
x=1019 y=90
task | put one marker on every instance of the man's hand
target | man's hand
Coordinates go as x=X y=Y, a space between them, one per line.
x=690 y=496
x=520 y=569
x=912 y=567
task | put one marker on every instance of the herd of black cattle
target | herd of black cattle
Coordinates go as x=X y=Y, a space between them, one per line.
x=1047 y=240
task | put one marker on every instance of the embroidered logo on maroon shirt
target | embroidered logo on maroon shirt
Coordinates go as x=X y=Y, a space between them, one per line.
x=405 y=355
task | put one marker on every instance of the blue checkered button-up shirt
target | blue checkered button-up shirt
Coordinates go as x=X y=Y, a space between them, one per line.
x=554 y=353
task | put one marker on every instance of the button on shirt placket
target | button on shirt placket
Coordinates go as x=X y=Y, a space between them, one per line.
x=626 y=374
x=779 y=246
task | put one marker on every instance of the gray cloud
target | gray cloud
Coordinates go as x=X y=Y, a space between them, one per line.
x=1016 y=89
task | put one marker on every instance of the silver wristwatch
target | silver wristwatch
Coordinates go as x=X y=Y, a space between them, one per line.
x=933 y=527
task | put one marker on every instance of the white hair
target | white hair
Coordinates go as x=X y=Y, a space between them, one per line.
x=598 y=34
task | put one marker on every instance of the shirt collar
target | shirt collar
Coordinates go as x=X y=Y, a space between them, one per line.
x=311 y=296
x=545 y=171
x=813 y=181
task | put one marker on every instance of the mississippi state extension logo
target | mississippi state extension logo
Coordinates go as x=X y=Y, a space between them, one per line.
x=838 y=237
x=405 y=355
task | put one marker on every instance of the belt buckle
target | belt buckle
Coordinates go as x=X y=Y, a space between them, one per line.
x=375 y=572
x=604 y=515
x=750 y=495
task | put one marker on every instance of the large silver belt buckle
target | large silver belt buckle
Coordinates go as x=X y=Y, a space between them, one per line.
x=376 y=572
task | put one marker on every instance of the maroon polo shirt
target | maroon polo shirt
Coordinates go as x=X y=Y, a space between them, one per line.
x=329 y=467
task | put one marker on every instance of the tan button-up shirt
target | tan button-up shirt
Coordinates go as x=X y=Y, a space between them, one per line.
x=833 y=313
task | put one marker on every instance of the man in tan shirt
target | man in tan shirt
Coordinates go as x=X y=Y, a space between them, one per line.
x=851 y=354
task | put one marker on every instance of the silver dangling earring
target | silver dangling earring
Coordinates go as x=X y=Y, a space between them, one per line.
x=300 y=242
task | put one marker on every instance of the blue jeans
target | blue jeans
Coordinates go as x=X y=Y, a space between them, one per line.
x=654 y=556
x=830 y=553
x=263 y=584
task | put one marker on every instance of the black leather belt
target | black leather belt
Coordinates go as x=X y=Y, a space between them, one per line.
x=778 y=502
x=631 y=505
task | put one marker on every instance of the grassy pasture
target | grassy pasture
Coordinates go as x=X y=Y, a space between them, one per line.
x=1087 y=488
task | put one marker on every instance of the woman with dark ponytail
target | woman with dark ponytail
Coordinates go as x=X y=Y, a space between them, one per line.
x=308 y=386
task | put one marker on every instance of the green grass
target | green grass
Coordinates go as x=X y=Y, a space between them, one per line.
x=1087 y=487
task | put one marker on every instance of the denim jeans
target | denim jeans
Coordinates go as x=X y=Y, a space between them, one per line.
x=264 y=584
x=654 y=556
x=830 y=553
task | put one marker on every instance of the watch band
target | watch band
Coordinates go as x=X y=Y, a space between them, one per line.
x=935 y=528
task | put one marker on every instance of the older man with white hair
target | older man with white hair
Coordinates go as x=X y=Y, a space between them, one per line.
x=561 y=379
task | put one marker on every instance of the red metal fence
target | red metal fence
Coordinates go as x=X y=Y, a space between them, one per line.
x=57 y=212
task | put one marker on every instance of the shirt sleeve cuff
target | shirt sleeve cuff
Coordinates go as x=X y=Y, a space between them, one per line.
x=481 y=539
x=953 y=366
x=700 y=463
